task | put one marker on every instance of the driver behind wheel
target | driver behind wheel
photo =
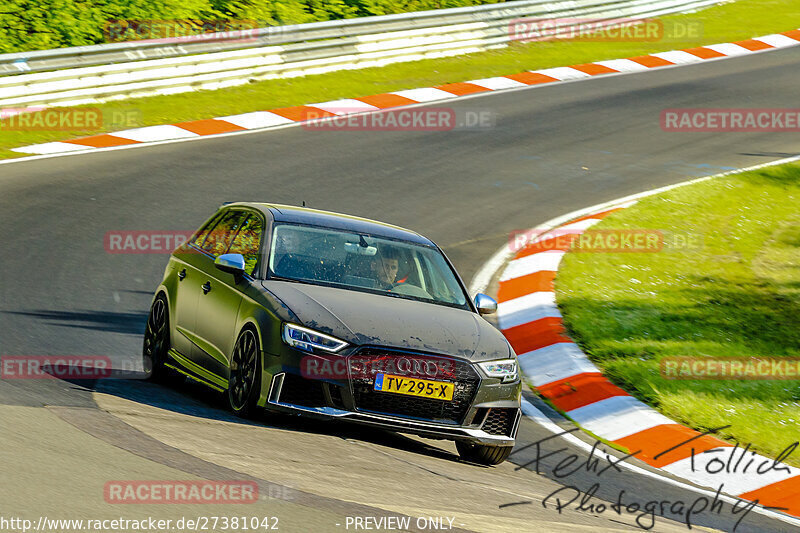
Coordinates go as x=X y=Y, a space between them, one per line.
x=384 y=266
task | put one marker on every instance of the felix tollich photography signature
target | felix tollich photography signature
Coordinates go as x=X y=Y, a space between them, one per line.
x=645 y=511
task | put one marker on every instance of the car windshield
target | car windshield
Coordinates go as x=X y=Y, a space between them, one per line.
x=365 y=263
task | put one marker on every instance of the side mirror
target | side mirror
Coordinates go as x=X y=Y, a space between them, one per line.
x=230 y=263
x=485 y=304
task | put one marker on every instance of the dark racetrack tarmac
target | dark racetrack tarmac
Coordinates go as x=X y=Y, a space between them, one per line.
x=553 y=149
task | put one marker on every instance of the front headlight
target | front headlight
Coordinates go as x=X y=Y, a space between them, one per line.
x=505 y=369
x=310 y=340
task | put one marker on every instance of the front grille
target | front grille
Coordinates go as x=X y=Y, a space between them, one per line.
x=500 y=421
x=299 y=391
x=373 y=360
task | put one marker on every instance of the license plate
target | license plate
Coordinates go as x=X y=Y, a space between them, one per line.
x=425 y=388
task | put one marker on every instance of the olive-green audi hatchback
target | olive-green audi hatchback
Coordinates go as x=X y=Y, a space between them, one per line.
x=333 y=316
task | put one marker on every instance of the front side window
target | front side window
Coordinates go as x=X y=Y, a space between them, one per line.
x=365 y=263
x=202 y=233
x=248 y=241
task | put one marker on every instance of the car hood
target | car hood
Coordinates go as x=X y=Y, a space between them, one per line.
x=371 y=319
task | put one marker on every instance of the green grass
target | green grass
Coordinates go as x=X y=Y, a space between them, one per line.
x=734 y=293
x=730 y=22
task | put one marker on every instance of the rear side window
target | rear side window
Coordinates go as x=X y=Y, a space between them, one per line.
x=219 y=238
x=248 y=241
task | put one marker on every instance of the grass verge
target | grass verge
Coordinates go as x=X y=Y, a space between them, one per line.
x=728 y=22
x=734 y=292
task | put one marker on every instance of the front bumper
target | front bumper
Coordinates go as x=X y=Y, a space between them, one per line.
x=489 y=400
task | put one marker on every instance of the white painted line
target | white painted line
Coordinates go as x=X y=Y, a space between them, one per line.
x=580 y=224
x=575 y=228
x=345 y=106
x=563 y=73
x=622 y=65
x=525 y=309
x=426 y=94
x=617 y=417
x=555 y=362
x=155 y=133
x=625 y=205
x=256 y=119
x=777 y=40
x=736 y=482
x=50 y=148
x=532 y=263
x=540 y=418
x=498 y=83
x=729 y=49
x=679 y=57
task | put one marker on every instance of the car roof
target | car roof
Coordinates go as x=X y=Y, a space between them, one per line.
x=315 y=217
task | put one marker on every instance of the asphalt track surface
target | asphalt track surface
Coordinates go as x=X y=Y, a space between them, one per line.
x=553 y=149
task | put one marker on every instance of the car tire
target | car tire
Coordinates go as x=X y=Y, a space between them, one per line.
x=156 y=341
x=244 y=383
x=483 y=454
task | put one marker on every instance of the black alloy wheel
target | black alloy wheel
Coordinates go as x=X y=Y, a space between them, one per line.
x=244 y=383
